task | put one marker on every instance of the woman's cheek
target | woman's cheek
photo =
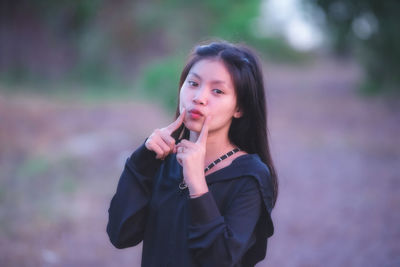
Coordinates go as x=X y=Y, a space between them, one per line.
x=180 y=105
x=182 y=99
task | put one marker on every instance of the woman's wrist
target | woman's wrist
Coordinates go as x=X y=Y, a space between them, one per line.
x=198 y=187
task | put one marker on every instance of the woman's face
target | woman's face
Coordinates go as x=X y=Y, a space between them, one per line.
x=208 y=90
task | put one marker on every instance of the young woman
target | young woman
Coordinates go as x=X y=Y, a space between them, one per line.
x=200 y=191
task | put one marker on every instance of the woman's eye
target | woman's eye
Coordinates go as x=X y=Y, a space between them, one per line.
x=217 y=91
x=192 y=83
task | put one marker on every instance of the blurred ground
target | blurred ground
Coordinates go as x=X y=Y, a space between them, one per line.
x=337 y=155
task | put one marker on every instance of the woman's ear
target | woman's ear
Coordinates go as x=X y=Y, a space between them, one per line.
x=238 y=113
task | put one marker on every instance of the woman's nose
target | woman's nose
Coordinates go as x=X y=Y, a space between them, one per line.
x=200 y=96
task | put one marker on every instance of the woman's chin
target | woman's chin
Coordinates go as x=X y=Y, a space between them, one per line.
x=194 y=126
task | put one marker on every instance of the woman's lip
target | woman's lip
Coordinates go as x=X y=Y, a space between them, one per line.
x=195 y=114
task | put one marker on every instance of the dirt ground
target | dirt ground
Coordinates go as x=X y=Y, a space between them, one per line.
x=337 y=155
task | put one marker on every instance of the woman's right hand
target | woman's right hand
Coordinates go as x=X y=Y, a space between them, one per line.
x=161 y=142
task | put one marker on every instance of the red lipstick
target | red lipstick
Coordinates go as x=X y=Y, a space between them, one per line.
x=195 y=114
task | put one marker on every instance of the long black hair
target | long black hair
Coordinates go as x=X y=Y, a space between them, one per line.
x=249 y=132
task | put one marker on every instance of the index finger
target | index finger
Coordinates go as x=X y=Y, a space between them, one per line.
x=177 y=123
x=204 y=132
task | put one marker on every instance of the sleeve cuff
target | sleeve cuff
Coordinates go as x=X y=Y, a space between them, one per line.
x=203 y=209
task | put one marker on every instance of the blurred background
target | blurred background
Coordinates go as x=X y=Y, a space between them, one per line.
x=83 y=83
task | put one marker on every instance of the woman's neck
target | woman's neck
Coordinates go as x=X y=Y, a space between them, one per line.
x=217 y=145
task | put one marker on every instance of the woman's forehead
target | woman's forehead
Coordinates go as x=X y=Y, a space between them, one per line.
x=211 y=70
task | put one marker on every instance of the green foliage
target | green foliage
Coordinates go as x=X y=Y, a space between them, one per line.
x=160 y=81
x=277 y=49
x=107 y=44
x=70 y=15
x=370 y=29
x=193 y=21
x=33 y=167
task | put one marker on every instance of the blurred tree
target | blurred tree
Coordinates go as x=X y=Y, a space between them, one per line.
x=103 y=42
x=192 y=21
x=39 y=40
x=370 y=29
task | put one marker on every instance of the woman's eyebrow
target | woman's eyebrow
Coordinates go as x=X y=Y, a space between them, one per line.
x=194 y=74
x=199 y=77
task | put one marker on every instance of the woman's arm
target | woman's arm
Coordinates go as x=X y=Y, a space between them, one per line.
x=128 y=208
x=222 y=240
